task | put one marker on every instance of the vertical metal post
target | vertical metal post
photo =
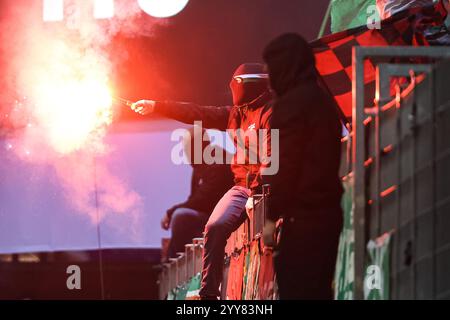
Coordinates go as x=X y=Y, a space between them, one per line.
x=166 y=280
x=198 y=254
x=358 y=159
x=325 y=20
x=358 y=144
x=398 y=142
x=173 y=273
x=377 y=174
x=433 y=98
x=190 y=261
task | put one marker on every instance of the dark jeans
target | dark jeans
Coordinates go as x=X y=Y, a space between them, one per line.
x=186 y=224
x=305 y=258
x=227 y=216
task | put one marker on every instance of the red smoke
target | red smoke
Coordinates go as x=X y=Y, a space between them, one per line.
x=58 y=107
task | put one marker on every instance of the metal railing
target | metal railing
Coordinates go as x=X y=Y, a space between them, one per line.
x=178 y=271
x=367 y=151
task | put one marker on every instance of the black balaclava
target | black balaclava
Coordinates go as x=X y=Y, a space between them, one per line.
x=248 y=83
x=289 y=60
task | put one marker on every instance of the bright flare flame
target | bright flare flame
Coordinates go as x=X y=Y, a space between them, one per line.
x=63 y=105
x=72 y=102
x=73 y=112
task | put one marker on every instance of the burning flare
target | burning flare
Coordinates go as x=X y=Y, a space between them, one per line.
x=72 y=99
x=73 y=111
x=59 y=75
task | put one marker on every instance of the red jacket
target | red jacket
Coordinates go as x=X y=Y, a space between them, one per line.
x=253 y=116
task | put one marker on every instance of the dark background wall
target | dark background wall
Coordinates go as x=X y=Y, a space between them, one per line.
x=124 y=274
x=192 y=57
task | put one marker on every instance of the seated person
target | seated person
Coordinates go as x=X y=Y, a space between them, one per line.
x=209 y=183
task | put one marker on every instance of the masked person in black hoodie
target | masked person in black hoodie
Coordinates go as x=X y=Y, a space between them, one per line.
x=306 y=191
x=250 y=113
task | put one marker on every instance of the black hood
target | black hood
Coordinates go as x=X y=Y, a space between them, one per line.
x=289 y=60
x=245 y=92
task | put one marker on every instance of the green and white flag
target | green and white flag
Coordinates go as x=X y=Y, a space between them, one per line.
x=182 y=291
x=194 y=287
x=347 y=14
x=344 y=277
x=376 y=281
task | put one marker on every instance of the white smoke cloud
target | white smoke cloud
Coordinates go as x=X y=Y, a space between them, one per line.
x=75 y=49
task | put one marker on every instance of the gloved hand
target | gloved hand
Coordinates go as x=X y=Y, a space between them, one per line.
x=249 y=205
x=144 y=107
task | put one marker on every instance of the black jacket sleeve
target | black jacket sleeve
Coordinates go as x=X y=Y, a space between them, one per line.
x=282 y=184
x=211 y=116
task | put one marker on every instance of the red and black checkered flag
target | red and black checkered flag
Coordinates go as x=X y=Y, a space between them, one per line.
x=334 y=52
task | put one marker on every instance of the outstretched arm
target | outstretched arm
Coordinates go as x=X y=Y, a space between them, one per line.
x=211 y=116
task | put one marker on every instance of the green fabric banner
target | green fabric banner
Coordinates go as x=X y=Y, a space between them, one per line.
x=376 y=281
x=193 y=287
x=182 y=291
x=347 y=14
x=345 y=272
